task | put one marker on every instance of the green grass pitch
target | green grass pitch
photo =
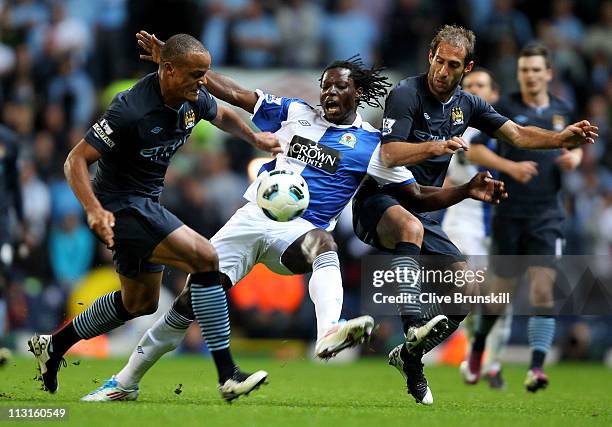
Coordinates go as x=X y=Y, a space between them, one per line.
x=302 y=393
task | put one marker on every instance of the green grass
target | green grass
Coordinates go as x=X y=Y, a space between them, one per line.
x=301 y=393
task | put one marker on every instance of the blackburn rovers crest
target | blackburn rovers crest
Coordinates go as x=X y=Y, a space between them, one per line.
x=457 y=116
x=189 y=119
x=349 y=140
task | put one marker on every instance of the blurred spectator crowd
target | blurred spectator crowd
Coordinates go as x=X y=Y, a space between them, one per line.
x=60 y=58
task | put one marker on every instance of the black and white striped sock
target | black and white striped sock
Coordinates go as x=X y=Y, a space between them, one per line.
x=453 y=324
x=409 y=285
x=104 y=315
x=176 y=320
x=209 y=304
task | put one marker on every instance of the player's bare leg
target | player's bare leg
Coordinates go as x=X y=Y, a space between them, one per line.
x=316 y=251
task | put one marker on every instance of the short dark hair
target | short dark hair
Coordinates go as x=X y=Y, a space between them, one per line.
x=457 y=36
x=373 y=85
x=494 y=84
x=536 y=49
x=180 y=45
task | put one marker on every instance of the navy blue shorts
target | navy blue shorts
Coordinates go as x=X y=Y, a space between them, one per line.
x=525 y=236
x=368 y=211
x=140 y=225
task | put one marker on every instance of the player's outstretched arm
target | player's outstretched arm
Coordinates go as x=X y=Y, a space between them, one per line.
x=76 y=170
x=401 y=153
x=219 y=85
x=572 y=136
x=519 y=171
x=425 y=198
x=228 y=121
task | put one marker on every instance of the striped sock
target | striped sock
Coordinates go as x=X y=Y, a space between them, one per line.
x=541 y=331
x=176 y=320
x=209 y=304
x=165 y=335
x=453 y=324
x=409 y=287
x=104 y=315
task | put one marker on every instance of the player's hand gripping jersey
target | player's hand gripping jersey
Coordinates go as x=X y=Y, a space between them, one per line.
x=333 y=159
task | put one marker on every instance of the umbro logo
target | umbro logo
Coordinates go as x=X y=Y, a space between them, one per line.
x=156 y=130
x=304 y=122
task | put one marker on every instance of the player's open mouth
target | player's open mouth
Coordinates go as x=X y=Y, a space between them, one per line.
x=331 y=106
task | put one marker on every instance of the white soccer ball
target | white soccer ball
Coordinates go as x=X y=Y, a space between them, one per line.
x=283 y=195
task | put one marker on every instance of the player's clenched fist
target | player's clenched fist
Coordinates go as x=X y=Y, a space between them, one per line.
x=523 y=171
x=102 y=222
x=267 y=141
x=449 y=146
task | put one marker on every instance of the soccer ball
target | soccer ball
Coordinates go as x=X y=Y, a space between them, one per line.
x=283 y=195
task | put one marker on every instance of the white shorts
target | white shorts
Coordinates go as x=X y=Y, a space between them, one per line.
x=469 y=243
x=250 y=237
x=475 y=246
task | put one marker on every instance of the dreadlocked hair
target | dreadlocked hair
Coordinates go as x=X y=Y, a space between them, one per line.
x=372 y=83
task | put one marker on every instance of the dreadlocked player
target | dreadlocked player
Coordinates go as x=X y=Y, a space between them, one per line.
x=351 y=151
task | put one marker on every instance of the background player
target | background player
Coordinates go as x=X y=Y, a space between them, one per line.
x=133 y=143
x=304 y=244
x=468 y=224
x=531 y=221
x=10 y=201
x=423 y=120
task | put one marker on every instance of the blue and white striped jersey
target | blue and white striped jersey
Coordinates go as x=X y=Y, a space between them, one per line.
x=332 y=159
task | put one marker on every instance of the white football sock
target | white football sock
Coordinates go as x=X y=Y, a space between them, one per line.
x=325 y=287
x=497 y=341
x=165 y=335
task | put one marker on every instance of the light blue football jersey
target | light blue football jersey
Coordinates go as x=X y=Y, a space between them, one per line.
x=332 y=159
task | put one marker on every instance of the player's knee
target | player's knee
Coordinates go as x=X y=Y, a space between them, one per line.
x=541 y=297
x=407 y=228
x=411 y=230
x=398 y=225
x=141 y=307
x=459 y=266
x=326 y=242
x=205 y=257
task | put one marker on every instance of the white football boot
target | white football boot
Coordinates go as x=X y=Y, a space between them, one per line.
x=111 y=390
x=433 y=327
x=241 y=383
x=344 y=334
x=40 y=345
